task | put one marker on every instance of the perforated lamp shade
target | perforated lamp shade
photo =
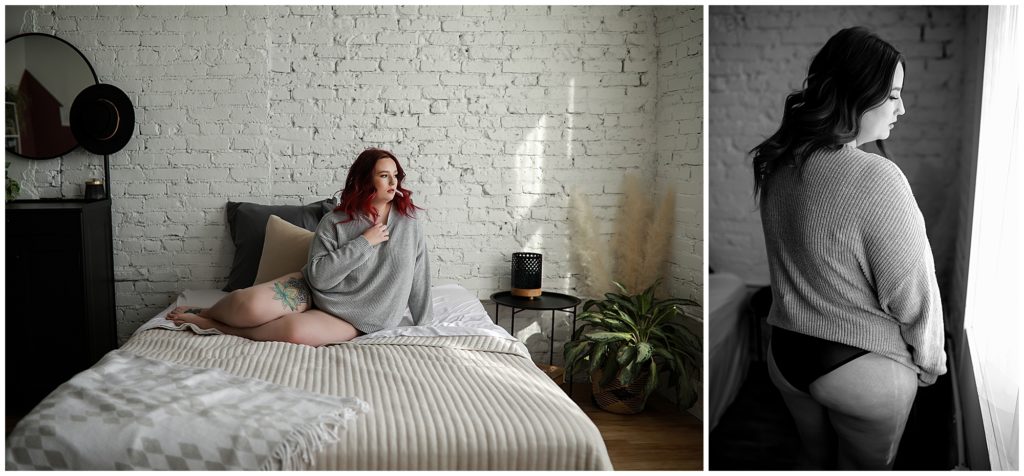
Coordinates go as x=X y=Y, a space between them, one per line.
x=526 y=272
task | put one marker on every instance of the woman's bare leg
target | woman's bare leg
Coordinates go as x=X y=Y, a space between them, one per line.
x=312 y=327
x=812 y=421
x=253 y=306
x=868 y=400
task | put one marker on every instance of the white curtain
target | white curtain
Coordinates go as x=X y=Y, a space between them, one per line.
x=994 y=288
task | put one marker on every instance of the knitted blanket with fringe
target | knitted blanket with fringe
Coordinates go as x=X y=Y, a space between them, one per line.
x=132 y=412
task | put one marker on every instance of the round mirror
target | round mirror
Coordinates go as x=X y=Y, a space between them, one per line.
x=44 y=75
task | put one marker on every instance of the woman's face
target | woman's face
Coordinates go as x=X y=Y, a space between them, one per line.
x=876 y=123
x=385 y=179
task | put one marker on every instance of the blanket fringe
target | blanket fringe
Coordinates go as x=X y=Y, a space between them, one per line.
x=306 y=440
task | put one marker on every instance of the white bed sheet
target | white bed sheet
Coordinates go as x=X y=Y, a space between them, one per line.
x=457 y=312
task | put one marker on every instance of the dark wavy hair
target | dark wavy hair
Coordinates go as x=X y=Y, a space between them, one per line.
x=850 y=75
x=359 y=192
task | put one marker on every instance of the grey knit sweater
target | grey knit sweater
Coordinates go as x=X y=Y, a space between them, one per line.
x=370 y=286
x=850 y=261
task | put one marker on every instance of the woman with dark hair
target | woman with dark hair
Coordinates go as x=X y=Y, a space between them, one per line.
x=856 y=317
x=367 y=263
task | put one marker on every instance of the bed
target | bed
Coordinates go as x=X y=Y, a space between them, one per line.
x=728 y=333
x=460 y=394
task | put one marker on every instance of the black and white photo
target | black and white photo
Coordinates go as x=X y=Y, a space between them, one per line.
x=846 y=153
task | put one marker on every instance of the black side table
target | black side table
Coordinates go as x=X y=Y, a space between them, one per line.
x=545 y=302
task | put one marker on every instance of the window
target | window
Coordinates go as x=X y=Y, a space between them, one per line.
x=993 y=288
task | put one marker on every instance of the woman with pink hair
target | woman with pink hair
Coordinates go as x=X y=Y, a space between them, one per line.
x=367 y=263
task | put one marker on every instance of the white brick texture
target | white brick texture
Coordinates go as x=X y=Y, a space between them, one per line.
x=495 y=112
x=760 y=54
x=680 y=148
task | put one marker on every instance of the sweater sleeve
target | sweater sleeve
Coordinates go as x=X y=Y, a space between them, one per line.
x=420 y=302
x=900 y=260
x=331 y=262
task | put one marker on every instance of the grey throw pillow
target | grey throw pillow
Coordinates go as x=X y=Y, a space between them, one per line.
x=247 y=223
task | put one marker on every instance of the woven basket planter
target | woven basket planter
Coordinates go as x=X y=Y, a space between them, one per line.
x=618 y=398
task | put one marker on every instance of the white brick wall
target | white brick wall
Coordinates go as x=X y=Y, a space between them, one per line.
x=496 y=112
x=680 y=149
x=760 y=54
x=680 y=152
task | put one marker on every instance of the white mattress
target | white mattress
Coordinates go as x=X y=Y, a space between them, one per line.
x=728 y=332
x=727 y=298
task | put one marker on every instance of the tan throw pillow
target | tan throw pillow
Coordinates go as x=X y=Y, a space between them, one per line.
x=285 y=249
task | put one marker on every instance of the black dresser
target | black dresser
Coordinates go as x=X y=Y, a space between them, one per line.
x=60 y=295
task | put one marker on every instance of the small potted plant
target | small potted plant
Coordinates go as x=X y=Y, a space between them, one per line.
x=627 y=342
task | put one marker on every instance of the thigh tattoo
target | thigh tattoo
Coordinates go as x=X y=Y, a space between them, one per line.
x=291 y=293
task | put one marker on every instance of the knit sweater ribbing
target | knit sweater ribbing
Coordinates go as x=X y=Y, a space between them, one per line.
x=370 y=286
x=850 y=260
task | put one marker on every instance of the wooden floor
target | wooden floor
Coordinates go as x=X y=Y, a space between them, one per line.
x=659 y=438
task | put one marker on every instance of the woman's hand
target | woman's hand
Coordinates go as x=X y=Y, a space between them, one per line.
x=376 y=234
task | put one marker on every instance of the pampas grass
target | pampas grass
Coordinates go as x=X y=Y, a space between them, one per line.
x=659 y=239
x=632 y=221
x=586 y=247
x=640 y=247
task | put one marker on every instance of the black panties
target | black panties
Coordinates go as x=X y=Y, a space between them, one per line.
x=802 y=358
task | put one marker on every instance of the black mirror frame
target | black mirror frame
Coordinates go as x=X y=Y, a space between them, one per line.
x=95 y=80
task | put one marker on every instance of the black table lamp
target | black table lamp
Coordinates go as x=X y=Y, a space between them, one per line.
x=526 y=269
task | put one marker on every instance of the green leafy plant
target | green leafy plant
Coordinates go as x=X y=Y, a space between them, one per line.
x=634 y=337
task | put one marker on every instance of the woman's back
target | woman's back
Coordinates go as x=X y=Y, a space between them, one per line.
x=812 y=226
x=848 y=255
